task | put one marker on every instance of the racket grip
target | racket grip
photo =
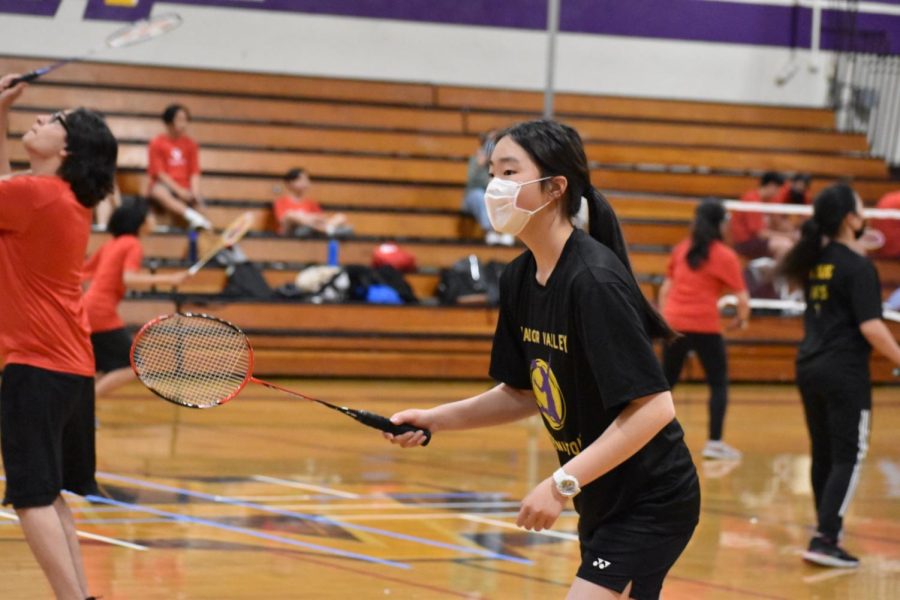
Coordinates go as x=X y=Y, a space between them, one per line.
x=25 y=78
x=384 y=424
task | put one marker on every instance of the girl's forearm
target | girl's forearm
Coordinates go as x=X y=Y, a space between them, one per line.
x=635 y=426
x=499 y=405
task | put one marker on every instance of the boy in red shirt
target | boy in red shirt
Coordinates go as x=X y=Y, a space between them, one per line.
x=47 y=390
x=700 y=271
x=173 y=169
x=112 y=269
x=298 y=214
x=751 y=234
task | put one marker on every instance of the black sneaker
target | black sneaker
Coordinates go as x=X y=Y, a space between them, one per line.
x=826 y=553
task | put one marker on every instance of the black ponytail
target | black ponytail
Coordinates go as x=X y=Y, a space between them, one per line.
x=830 y=208
x=706 y=229
x=557 y=149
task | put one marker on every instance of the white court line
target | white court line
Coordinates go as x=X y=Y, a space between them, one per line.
x=90 y=536
x=505 y=525
x=431 y=516
x=397 y=506
x=305 y=486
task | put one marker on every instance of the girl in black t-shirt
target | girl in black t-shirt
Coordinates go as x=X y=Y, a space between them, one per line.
x=573 y=344
x=841 y=324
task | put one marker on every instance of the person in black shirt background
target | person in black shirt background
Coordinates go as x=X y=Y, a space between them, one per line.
x=841 y=324
x=573 y=343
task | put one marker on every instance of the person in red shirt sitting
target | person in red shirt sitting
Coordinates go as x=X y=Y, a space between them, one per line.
x=701 y=269
x=173 y=170
x=47 y=389
x=889 y=228
x=112 y=269
x=751 y=233
x=298 y=214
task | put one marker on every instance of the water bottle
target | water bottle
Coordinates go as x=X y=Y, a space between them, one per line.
x=192 y=245
x=334 y=249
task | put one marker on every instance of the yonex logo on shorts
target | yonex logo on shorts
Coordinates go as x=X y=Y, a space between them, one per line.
x=601 y=564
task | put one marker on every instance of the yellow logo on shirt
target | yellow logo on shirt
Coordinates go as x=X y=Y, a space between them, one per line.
x=549 y=397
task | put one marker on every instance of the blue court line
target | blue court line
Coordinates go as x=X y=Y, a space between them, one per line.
x=120 y=521
x=245 y=531
x=315 y=518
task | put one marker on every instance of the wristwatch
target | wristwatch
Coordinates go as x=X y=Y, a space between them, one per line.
x=566 y=484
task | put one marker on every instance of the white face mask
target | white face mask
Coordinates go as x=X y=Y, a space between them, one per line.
x=500 y=200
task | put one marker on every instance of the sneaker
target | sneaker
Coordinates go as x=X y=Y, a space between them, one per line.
x=492 y=238
x=826 y=553
x=196 y=220
x=719 y=450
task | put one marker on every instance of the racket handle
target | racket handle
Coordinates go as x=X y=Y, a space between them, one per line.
x=384 y=424
x=24 y=78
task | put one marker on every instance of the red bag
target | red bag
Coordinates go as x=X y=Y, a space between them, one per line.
x=392 y=255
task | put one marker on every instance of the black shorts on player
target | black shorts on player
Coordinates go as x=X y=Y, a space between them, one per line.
x=112 y=350
x=47 y=435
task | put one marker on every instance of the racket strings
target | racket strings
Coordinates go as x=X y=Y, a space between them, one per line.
x=196 y=362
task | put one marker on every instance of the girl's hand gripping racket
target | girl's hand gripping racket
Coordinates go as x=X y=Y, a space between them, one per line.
x=232 y=234
x=135 y=33
x=201 y=361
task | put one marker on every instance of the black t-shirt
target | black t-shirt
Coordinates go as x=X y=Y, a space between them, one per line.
x=842 y=292
x=580 y=344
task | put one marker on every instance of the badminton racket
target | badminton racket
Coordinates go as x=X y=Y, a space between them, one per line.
x=230 y=236
x=201 y=361
x=130 y=35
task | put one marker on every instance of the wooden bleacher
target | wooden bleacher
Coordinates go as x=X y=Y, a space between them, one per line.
x=393 y=156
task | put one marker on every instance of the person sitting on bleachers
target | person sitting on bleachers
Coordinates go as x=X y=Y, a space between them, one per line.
x=794 y=191
x=173 y=170
x=889 y=228
x=751 y=233
x=299 y=215
x=477 y=179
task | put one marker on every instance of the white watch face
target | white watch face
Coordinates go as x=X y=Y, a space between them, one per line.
x=567 y=486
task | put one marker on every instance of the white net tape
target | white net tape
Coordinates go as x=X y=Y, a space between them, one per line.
x=193 y=360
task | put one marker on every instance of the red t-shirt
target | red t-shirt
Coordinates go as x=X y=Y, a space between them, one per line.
x=745 y=226
x=179 y=158
x=691 y=305
x=105 y=270
x=889 y=227
x=44 y=234
x=288 y=203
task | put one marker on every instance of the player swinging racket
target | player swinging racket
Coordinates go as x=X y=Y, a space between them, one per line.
x=113 y=268
x=573 y=342
x=47 y=392
x=841 y=324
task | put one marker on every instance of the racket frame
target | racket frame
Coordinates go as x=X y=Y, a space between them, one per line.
x=248 y=376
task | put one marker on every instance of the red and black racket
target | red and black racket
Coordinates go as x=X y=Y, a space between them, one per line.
x=201 y=361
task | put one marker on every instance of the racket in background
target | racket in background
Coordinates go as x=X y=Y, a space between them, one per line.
x=230 y=236
x=138 y=32
x=201 y=361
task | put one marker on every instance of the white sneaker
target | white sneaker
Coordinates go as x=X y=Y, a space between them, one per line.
x=507 y=239
x=492 y=238
x=196 y=220
x=719 y=450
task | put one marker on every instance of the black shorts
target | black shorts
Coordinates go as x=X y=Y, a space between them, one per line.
x=112 y=350
x=616 y=554
x=46 y=434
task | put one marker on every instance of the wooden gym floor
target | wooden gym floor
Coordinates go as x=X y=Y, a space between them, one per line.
x=275 y=498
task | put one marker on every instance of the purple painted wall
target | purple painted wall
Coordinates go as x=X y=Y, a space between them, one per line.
x=692 y=20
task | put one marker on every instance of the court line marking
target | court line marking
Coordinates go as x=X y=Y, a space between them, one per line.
x=304 y=486
x=504 y=525
x=91 y=536
x=177 y=517
x=397 y=506
x=315 y=518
